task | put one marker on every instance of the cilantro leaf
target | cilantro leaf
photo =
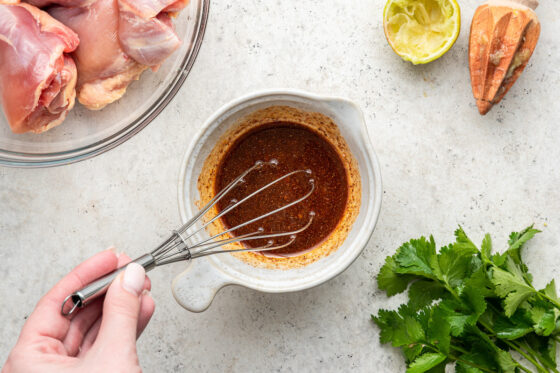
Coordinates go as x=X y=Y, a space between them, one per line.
x=474 y=266
x=467 y=309
x=545 y=321
x=454 y=263
x=517 y=240
x=422 y=293
x=490 y=354
x=458 y=323
x=473 y=297
x=391 y=328
x=451 y=311
x=422 y=316
x=426 y=362
x=511 y=286
x=464 y=368
x=438 y=331
x=511 y=332
x=463 y=242
x=544 y=316
x=480 y=354
x=505 y=361
x=389 y=280
x=411 y=352
x=517 y=326
x=499 y=259
x=418 y=257
x=438 y=368
x=478 y=282
x=550 y=290
x=399 y=328
x=486 y=248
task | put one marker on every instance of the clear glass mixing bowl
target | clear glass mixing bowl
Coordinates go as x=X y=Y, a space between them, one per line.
x=86 y=133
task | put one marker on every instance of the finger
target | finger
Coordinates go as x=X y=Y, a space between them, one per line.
x=148 y=284
x=147 y=308
x=89 y=338
x=146 y=311
x=125 y=259
x=80 y=325
x=121 y=310
x=46 y=319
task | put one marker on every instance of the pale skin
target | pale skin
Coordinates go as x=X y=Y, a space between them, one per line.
x=99 y=338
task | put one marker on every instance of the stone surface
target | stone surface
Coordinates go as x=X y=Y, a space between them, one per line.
x=442 y=165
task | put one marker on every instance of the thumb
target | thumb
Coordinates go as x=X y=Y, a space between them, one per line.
x=121 y=309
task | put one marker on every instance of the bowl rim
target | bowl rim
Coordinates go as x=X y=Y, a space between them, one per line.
x=361 y=240
x=42 y=160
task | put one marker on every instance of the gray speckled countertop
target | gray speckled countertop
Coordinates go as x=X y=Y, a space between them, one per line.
x=442 y=165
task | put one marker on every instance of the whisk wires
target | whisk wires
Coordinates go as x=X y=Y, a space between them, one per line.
x=178 y=248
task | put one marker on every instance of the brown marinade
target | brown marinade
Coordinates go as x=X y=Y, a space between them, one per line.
x=296 y=148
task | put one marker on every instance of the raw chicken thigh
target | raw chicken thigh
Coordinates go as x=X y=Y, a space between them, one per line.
x=146 y=33
x=104 y=70
x=37 y=77
x=119 y=39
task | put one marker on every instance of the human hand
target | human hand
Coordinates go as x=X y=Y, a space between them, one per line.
x=99 y=338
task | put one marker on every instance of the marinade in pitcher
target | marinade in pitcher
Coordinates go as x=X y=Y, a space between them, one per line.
x=295 y=147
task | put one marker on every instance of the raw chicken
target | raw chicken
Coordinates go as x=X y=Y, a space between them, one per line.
x=37 y=78
x=119 y=39
x=146 y=33
x=69 y=3
x=104 y=70
x=176 y=6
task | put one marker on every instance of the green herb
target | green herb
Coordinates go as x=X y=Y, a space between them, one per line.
x=469 y=307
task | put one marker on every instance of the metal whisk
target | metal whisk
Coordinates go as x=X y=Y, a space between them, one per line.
x=177 y=248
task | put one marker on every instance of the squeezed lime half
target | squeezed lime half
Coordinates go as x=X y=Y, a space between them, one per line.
x=421 y=31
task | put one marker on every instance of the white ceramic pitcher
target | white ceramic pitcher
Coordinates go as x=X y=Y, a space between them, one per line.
x=195 y=288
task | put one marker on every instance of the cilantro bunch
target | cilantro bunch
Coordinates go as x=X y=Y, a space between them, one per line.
x=470 y=306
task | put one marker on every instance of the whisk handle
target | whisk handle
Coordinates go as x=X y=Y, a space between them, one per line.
x=82 y=297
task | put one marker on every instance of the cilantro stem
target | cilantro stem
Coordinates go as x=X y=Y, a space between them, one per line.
x=453 y=357
x=530 y=349
x=539 y=367
x=550 y=299
x=487 y=327
x=478 y=366
x=460 y=349
x=472 y=364
x=516 y=345
x=524 y=369
x=517 y=348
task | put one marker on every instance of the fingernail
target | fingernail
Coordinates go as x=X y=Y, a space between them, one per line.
x=146 y=292
x=113 y=249
x=133 y=279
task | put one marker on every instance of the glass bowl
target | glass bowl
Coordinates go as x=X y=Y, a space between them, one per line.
x=85 y=134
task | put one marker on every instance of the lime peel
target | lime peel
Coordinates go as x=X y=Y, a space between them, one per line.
x=421 y=31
